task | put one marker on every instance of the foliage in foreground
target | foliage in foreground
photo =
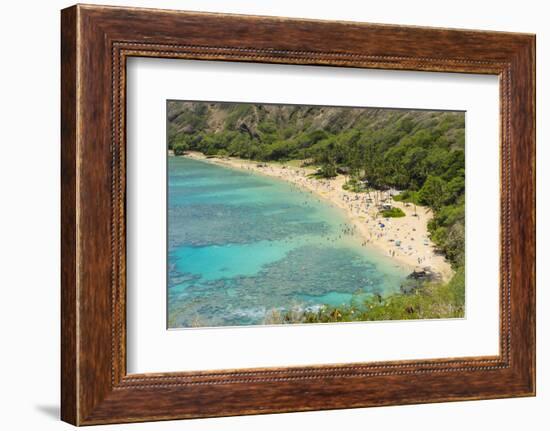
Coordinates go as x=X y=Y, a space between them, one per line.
x=430 y=301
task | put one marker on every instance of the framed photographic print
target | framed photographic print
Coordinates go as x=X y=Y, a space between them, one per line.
x=266 y=215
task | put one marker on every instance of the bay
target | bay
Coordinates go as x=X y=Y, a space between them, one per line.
x=241 y=245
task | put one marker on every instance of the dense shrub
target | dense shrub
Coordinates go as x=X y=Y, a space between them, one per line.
x=393 y=212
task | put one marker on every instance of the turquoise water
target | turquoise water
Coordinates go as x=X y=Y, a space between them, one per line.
x=241 y=245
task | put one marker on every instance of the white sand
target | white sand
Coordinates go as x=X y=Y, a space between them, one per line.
x=415 y=250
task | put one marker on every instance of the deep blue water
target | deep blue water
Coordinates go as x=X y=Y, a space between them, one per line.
x=241 y=245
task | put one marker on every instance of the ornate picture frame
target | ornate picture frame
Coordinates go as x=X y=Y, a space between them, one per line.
x=96 y=41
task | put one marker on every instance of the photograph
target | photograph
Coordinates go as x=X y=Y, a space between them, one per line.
x=300 y=214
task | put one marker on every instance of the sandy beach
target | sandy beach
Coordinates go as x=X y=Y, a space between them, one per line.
x=405 y=239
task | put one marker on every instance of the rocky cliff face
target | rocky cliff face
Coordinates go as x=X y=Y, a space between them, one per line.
x=260 y=119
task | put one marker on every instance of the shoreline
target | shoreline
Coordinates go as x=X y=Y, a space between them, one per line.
x=404 y=240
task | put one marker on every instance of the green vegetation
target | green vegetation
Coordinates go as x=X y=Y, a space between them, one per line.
x=180 y=147
x=393 y=212
x=430 y=301
x=354 y=185
x=420 y=153
x=327 y=170
x=409 y=196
